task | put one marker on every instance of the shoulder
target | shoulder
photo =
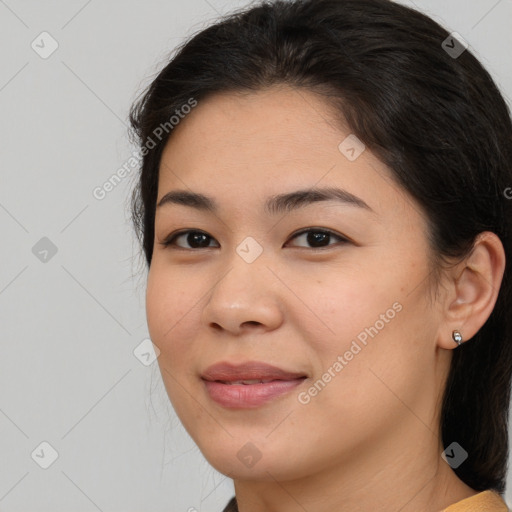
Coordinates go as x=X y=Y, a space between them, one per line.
x=486 y=501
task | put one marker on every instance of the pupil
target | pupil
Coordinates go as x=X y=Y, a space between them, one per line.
x=195 y=237
x=315 y=237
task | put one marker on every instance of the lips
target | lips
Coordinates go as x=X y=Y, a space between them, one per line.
x=248 y=373
x=247 y=382
x=248 y=385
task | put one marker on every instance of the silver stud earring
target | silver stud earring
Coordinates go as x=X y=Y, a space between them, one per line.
x=457 y=337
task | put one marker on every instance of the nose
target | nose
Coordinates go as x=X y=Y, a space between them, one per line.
x=244 y=298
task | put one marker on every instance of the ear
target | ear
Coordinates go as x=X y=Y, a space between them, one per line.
x=473 y=287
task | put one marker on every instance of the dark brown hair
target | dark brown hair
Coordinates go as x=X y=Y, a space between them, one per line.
x=436 y=119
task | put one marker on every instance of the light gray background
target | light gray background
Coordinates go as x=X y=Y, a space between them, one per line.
x=69 y=325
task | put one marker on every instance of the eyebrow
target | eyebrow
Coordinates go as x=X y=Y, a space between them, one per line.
x=281 y=203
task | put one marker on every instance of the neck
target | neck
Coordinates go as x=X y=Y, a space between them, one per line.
x=404 y=473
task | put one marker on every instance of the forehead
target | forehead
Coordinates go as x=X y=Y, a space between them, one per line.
x=267 y=142
x=274 y=123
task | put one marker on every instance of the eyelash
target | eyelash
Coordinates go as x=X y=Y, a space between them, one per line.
x=170 y=240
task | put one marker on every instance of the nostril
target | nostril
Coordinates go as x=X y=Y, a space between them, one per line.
x=251 y=322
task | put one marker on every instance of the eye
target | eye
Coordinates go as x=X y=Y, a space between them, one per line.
x=318 y=238
x=192 y=237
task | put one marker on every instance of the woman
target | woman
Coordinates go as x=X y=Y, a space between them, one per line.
x=324 y=206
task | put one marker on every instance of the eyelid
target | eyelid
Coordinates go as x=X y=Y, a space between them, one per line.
x=170 y=239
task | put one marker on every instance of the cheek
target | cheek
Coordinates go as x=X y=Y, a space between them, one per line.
x=372 y=320
x=159 y=307
x=344 y=305
x=170 y=308
x=172 y=328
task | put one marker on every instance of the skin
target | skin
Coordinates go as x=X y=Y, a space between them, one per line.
x=370 y=439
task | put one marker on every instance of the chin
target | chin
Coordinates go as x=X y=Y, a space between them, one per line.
x=249 y=460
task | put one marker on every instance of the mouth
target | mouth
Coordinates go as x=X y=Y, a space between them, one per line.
x=248 y=385
x=252 y=372
x=247 y=382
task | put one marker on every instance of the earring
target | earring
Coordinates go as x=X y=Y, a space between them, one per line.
x=457 y=337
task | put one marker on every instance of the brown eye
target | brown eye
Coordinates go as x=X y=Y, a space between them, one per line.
x=319 y=238
x=195 y=239
x=315 y=237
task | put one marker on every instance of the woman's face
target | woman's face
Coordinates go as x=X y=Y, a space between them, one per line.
x=342 y=309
